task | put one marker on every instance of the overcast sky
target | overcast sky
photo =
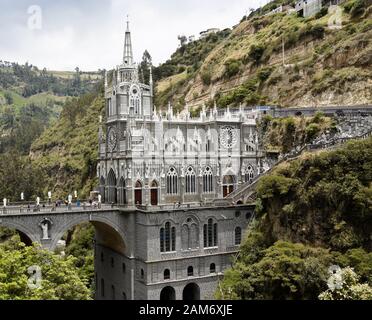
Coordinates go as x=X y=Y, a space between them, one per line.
x=90 y=33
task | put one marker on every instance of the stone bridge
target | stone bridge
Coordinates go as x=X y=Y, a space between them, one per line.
x=140 y=254
x=48 y=227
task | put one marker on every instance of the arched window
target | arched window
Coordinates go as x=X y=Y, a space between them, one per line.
x=208 y=180
x=212 y=268
x=238 y=236
x=190 y=180
x=172 y=181
x=124 y=296
x=112 y=262
x=228 y=184
x=135 y=100
x=138 y=193
x=249 y=174
x=166 y=274
x=210 y=234
x=122 y=192
x=124 y=267
x=190 y=271
x=167 y=238
x=112 y=188
x=102 y=257
x=142 y=274
x=190 y=234
x=162 y=239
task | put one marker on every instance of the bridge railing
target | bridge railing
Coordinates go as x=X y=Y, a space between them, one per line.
x=9 y=210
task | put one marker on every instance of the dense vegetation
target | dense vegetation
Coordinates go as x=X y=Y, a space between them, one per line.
x=311 y=213
x=59 y=277
x=31 y=100
x=67 y=152
x=29 y=80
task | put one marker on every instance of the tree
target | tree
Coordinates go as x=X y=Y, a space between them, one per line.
x=18 y=175
x=283 y=271
x=348 y=287
x=256 y=52
x=144 y=67
x=59 y=277
x=8 y=98
x=358 y=8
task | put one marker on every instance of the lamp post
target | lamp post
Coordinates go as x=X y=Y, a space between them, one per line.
x=69 y=201
x=99 y=201
x=38 y=203
x=22 y=198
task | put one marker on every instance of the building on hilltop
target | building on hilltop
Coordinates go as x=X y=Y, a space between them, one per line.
x=151 y=159
x=207 y=32
x=308 y=8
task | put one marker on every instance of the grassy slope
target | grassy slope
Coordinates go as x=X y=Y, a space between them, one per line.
x=332 y=70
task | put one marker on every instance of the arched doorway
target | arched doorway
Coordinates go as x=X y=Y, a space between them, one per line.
x=111 y=183
x=168 y=293
x=154 y=193
x=122 y=192
x=228 y=185
x=191 y=292
x=138 y=193
x=102 y=183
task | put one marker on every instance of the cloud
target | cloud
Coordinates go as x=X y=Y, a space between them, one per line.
x=90 y=33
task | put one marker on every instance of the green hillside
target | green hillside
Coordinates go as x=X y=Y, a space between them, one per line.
x=67 y=152
x=311 y=213
x=32 y=99
x=322 y=65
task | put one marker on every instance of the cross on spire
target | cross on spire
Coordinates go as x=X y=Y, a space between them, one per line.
x=128 y=51
x=127 y=22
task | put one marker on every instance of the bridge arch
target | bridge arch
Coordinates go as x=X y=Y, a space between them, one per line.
x=107 y=233
x=26 y=234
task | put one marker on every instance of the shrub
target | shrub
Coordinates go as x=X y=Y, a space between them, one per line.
x=232 y=68
x=206 y=78
x=358 y=8
x=348 y=6
x=312 y=131
x=256 y=52
x=8 y=97
x=264 y=74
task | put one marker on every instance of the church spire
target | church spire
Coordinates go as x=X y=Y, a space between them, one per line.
x=128 y=52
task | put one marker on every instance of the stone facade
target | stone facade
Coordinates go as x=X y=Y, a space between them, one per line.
x=154 y=273
x=151 y=158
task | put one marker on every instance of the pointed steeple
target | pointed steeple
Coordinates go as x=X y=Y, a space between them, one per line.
x=128 y=51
